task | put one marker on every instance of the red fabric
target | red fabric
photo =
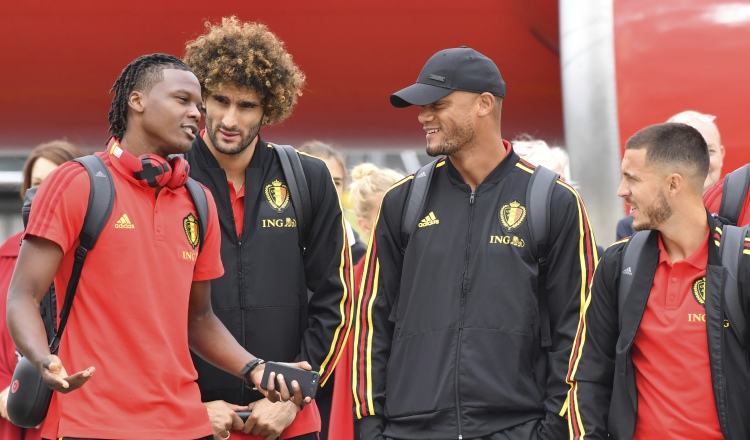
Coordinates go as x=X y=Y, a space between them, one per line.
x=8 y=256
x=341 y=425
x=670 y=355
x=238 y=206
x=712 y=200
x=129 y=319
x=307 y=421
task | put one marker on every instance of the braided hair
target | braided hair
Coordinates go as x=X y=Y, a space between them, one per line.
x=141 y=74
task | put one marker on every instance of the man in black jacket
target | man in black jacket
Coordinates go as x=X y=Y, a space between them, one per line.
x=658 y=359
x=249 y=80
x=447 y=341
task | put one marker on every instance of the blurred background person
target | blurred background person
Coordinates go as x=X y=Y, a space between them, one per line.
x=337 y=168
x=369 y=185
x=538 y=152
x=43 y=160
x=705 y=124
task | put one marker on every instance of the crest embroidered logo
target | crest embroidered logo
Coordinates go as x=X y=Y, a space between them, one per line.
x=512 y=215
x=277 y=195
x=192 y=232
x=699 y=290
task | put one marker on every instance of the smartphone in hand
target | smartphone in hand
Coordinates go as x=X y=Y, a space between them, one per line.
x=307 y=380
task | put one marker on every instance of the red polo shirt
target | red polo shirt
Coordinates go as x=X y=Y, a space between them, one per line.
x=129 y=318
x=712 y=200
x=670 y=354
x=308 y=419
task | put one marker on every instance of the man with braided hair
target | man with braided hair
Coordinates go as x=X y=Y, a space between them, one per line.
x=249 y=80
x=143 y=297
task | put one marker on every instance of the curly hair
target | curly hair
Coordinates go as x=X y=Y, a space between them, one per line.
x=141 y=74
x=247 y=55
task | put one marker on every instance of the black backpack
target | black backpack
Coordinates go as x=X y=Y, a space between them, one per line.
x=298 y=190
x=538 y=196
x=733 y=196
x=732 y=247
x=101 y=202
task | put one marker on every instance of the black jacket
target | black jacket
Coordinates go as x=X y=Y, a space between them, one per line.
x=447 y=340
x=262 y=297
x=603 y=396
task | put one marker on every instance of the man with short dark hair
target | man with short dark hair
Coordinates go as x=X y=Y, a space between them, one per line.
x=658 y=359
x=448 y=341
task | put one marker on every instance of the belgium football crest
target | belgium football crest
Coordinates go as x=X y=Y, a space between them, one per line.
x=277 y=195
x=699 y=290
x=512 y=215
x=192 y=232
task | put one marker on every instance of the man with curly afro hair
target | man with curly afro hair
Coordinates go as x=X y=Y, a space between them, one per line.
x=282 y=299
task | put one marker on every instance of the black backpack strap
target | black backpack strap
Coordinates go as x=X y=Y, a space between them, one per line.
x=538 y=198
x=101 y=202
x=298 y=190
x=201 y=206
x=733 y=195
x=415 y=201
x=732 y=245
x=632 y=255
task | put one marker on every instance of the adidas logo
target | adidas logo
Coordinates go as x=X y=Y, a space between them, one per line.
x=99 y=174
x=429 y=220
x=627 y=271
x=124 y=223
x=422 y=174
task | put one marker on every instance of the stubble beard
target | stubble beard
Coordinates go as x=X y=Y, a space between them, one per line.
x=453 y=142
x=246 y=138
x=656 y=214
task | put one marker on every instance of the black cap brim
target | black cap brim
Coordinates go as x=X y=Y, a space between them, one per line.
x=418 y=94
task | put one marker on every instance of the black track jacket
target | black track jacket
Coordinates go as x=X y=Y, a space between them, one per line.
x=603 y=395
x=447 y=342
x=262 y=297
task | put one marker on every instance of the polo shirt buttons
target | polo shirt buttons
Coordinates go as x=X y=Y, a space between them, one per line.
x=674 y=279
x=158 y=229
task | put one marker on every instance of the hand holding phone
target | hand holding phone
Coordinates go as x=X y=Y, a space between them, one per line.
x=307 y=380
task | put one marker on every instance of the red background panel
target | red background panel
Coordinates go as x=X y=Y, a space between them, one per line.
x=674 y=55
x=61 y=58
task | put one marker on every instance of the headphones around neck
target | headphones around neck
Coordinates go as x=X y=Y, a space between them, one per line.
x=151 y=170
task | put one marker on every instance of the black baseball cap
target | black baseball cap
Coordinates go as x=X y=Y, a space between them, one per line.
x=461 y=68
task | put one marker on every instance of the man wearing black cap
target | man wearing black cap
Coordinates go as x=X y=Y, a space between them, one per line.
x=448 y=334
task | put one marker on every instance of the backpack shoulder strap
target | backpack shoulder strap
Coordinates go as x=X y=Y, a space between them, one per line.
x=732 y=245
x=300 y=194
x=538 y=197
x=201 y=206
x=415 y=201
x=733 y=196
x=101 y=199
x=631 y=256
x=101 y=202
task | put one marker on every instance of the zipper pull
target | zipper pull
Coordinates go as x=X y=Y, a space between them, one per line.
x=471 y=198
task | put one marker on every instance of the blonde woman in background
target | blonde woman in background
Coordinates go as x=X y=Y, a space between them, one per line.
x=369 y=185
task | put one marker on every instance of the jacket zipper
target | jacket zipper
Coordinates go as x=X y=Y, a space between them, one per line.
x=461 y=316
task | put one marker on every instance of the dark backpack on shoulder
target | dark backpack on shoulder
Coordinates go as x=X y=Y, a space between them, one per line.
x=538 y=197
x=733 y=195
x=298 y=190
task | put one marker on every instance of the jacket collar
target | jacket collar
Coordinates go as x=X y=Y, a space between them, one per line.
x=498 y=174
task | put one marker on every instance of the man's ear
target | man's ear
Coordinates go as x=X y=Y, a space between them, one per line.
x=136 y=101
x=487 y=103
x=676 y=183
